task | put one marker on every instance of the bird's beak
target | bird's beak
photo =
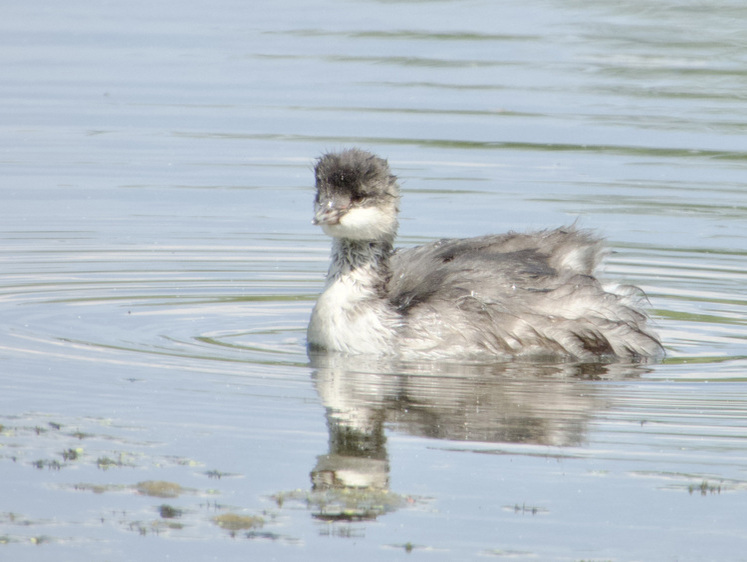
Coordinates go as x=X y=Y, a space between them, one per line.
x=328 y=214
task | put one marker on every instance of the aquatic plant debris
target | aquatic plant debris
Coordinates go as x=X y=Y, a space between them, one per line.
x=236 y=522
x=159 y=488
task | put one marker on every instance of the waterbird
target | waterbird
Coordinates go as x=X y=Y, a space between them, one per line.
x=513 y=295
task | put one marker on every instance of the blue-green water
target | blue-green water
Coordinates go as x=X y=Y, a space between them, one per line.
x=159 y=266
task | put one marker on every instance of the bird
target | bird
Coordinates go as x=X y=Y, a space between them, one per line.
x=501 y=296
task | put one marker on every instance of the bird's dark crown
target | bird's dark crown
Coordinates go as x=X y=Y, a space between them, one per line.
x=356 y=174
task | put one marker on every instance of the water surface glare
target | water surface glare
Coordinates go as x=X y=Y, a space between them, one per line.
x=159 y=266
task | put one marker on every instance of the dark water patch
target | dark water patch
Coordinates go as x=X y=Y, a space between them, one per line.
x=621 y=150
x=406 y=35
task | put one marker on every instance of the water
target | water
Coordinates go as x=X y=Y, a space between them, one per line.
x=159 y=267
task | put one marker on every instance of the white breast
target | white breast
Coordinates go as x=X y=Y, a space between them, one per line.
x=349 y=317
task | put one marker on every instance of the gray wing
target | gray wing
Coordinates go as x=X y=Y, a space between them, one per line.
x=516 y=294
x=491 y=265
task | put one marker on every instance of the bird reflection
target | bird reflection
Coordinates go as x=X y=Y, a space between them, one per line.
x=524 y=403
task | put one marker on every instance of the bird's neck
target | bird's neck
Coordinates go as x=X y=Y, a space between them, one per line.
x=364 y=260
x=353 y=313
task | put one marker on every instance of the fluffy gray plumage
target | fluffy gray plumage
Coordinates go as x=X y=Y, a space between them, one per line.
x=499 y=295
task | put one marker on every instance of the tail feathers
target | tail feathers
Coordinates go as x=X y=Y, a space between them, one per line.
x=593 y=322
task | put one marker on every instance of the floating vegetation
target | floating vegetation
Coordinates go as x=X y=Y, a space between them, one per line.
x=255 y=535
x=81 y=435
x=154 y=527
x=51 y=446
x=169 y=512
x=341 y=531
x=71 y=454
x=10 y=518
x=182 y=461
x=217 y=474
x=105 y=463
x=704 y=488
x=39 y=540
x=236 y=522
x=96 y=488
x=525 y=509
x=15 y=519
x=51 y=465
x=159 y=488
x=702 y=484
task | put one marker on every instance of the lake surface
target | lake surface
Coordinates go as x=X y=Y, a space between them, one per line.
x=159 y=266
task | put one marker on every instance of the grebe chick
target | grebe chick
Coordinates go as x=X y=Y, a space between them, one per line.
x=502 y=295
